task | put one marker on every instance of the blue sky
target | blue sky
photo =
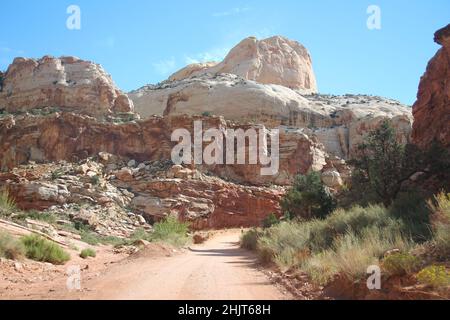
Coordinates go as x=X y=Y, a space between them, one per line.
x=140 y=42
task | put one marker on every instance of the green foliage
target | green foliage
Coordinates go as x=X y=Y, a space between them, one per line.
x=95 y=180
x=57 y=174
x=308 y=198
x=413 y=211
x=434 y=276
x=441 y=214
x=206 y=114
x=7 y=204
x=47 y=217
x=400 y=264
x=85 y=253
x=40 y=249
x=346 y=242
x=10 y=248
x=383 y=166
x=270 y=220
x=380 y=167
x=249 y=239
x=172 y=231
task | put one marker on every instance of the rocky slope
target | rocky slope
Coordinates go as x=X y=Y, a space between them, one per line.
x=339 y=122
x=65 y=83
x=432 y=108
x=275 y=60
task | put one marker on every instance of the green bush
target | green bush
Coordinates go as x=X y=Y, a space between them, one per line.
x=270 y=220
x=85 y=253
x=441 y=214
x=95 y=180
x=40 y=249
x=10 y=248
x=7 y=204
x=413 y=211
x=249 y=239
x=308 y=198
x=57 y=174
x=400 y=264
x=172 y=231
x=434 y=276
x=346 y=242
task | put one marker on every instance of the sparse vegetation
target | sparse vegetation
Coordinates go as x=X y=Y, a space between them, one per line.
x=441 y=209
x=270 y=220
x=434 y=276
x=7 y=204
x=86 y=253
x=10 y=248
x=345 y=242
x=172 y=231
x=249 y=239
x=40 y=249
x=308 y=198
x=400 y=264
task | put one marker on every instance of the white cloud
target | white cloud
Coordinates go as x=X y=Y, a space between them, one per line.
x=232 y=12
x=165 y=67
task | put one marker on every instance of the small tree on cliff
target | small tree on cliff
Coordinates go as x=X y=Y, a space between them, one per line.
x=308 y=198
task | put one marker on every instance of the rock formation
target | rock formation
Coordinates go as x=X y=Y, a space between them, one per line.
x=432 y=108
x=65 y=83
x=71 y=137
x=339 y=122
x=275 y=60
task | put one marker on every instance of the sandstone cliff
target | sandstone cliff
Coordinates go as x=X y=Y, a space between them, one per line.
x=65 y=83
x=432 y=108
x=275 y=60
x=339 y=122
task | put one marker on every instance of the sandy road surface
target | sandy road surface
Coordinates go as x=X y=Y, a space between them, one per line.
x=218 y=269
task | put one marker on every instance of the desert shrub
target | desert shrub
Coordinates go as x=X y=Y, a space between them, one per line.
x=441 y=215
x=400 y=264
x=95 y=180
x=85 y=253
x=10 y=248
x=354 y=220
x=413 y=211
x=346 y=242
x=40 y=249
x=171 y=230
x=434 y=276
x=284 y=242
x=270 y=220
x=37 y=215
x=353 y=254
x=7 y=204
x=308 y=198
x=249 y=239
x=57 y=174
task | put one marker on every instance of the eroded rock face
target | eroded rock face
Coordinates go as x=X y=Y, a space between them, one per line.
x=71 y=137
x=339 y=122
x=432 y=108
x=275 y=60
x=65 y=83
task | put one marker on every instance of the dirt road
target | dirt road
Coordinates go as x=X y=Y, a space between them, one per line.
x=218 y=269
